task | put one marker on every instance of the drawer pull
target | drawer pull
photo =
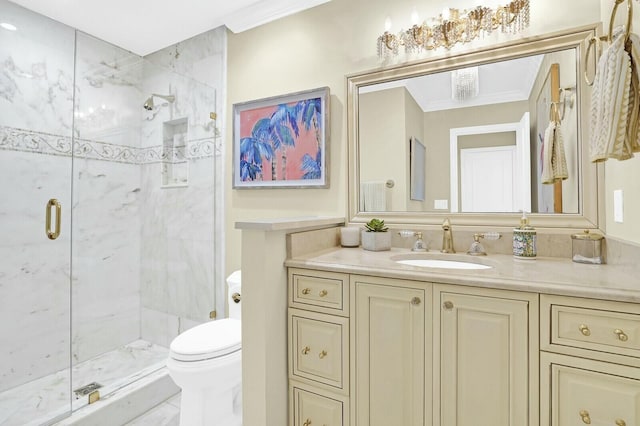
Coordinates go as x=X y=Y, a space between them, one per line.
x=306 y=290
x=620 y=422
x=323 y=293
x=585 y=330
x=584 y=415
x=307 y=422
x=306 y=350
x=416 y=301
x=448 y=305
x=322 y=354
x=623 y=337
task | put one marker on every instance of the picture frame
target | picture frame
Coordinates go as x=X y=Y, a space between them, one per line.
x=282 y=141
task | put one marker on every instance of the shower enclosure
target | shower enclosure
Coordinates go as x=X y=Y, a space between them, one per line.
x=120 y=155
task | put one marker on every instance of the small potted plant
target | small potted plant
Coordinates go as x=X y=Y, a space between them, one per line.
x=375 y=236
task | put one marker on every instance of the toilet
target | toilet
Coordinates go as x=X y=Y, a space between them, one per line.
x=206 y=362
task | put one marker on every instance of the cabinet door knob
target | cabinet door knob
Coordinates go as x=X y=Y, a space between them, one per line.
x=584 y=415
x=623 y=337
x=416 y=301
x=447 y=305
x=620 y=422
x=306 y=290
x=585 y=330
x=306 y=350
x=322 y=354
x=307 y=422
x=323 y=293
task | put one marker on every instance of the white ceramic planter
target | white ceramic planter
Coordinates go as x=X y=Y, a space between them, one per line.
x=376 y=241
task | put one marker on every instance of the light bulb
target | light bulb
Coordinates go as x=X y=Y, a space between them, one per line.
x=387 y=24
x=415 y=18
x=445 y=14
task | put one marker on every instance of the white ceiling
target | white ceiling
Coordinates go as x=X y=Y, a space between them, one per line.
x=506 y=81
x=146 y=26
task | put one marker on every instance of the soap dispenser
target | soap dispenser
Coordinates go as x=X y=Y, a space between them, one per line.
x=524 y=240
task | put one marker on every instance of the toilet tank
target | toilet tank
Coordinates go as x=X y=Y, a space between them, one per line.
x=234 y=284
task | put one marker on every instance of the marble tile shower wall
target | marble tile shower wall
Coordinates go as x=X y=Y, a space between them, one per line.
x=179 y=260
x=106 y=199
x=36 y=93
x=141 y=253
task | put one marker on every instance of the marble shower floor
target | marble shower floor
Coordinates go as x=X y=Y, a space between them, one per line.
x=40 y=399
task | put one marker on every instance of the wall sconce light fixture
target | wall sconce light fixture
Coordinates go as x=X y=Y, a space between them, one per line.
x=455 y=26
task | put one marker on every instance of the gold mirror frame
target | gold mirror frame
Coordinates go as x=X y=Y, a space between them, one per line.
x=590 y=186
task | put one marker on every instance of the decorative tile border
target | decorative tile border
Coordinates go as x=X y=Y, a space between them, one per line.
x=14 y=139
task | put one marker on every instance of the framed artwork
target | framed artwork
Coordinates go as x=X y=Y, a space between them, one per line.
x=418 y=154
x=282 y=142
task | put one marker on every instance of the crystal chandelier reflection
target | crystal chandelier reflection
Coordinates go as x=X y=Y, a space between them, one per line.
x=455 y=26
x=464 y=83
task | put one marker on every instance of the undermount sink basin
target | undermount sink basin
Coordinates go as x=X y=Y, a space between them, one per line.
x=425 y=262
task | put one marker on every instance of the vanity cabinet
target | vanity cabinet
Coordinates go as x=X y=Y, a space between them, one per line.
x=486 y=353
x=318 y=349
x=372 y=351
x=590 y=364
x=391 y=361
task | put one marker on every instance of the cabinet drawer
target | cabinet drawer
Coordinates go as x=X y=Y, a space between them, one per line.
x=597 y=330
x=311 y=409
x=592 y=392
x=318 y=348
x=325 y=292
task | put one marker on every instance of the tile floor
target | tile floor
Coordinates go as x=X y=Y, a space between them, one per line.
x=165 y=414
x=44 y=398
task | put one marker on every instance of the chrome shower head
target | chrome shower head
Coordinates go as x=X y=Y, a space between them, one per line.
x=148 y=104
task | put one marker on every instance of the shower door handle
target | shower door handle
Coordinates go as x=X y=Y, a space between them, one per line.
x=52 y=235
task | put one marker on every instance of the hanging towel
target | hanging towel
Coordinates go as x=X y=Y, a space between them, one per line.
x=373 y=197
x=610 y=103
x=554 y=161
x=632 y=47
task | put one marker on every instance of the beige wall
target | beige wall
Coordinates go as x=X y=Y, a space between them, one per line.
x=414 y=127
x=384 y=114
x=624 y=175
x=437 y=126
x=318 y=48
x=566 y=61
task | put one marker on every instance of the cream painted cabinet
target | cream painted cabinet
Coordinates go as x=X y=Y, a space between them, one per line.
x=391 y=347
x=590 y=362
x=318 y=348
x=486 y=358
x=590 y=392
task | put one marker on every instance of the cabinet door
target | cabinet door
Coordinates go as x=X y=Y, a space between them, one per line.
x=590 y=392
x=484 y=363
x=389 y=354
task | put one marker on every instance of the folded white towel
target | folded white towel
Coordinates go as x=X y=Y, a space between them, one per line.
x=610 y=104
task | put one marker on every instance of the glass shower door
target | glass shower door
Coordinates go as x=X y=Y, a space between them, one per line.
x=36 y=104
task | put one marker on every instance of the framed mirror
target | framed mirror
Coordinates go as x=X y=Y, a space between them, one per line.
x=480 y=120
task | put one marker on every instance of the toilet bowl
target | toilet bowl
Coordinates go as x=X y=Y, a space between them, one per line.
x=206 y=362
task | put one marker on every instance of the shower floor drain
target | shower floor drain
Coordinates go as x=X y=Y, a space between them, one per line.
x=86 y=389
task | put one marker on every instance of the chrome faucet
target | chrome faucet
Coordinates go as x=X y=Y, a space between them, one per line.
x=419 y=244
x=447 y=237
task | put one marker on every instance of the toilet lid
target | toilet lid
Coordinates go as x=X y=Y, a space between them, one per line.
x=209 y=340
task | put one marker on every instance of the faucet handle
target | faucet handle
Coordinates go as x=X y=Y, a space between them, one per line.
x=492 y=235
x=406 y=233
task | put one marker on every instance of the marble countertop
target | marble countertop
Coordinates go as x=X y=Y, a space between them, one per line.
x=548 y=275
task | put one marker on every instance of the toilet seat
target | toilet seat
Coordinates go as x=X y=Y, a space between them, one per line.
x=213 y=339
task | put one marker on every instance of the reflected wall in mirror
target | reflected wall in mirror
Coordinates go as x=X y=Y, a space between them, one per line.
x=482 y=119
